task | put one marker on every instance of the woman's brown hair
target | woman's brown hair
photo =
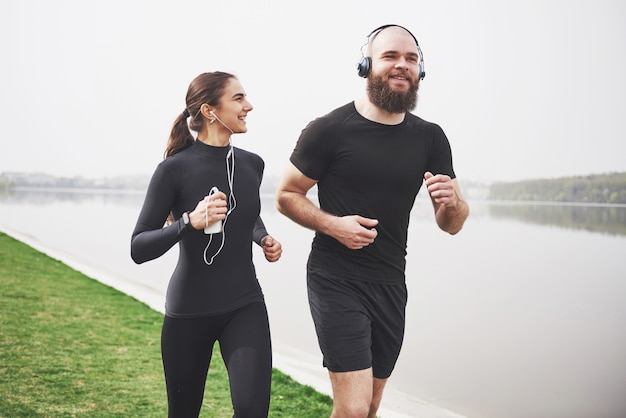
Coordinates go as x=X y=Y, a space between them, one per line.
x=205 y=88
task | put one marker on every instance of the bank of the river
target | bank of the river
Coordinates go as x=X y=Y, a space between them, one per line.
x=297 y=365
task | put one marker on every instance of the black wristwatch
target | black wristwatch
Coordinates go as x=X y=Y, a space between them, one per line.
x=185 y=218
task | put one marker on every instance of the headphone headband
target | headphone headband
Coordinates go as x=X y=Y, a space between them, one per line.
x=365 y=65
x=383 y=27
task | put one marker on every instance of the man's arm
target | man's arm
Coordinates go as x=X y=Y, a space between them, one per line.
x=451 y=209
x=352 y=231
x=292 y=202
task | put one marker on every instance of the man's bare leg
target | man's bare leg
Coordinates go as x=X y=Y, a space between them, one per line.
x=377 y=396
x=356 y=394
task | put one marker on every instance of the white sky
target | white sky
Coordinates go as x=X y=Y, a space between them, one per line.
x=524 y=89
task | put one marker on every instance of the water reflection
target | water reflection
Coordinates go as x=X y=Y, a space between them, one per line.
x=123 y=198
x=603 y=219
x=45 y=196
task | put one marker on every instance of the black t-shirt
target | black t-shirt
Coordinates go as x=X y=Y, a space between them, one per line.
x=373 y=170
x=178 y=183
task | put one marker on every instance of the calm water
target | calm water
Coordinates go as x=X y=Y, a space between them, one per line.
x=521 y=315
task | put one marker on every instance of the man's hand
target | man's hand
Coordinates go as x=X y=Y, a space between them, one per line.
x=451 y=210
x=441 y=189
x=354 y=231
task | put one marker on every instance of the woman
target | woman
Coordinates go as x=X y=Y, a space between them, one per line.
x=213 y=294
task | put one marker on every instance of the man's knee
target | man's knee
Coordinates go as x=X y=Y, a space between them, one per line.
x=352 y=393
x=354 y=409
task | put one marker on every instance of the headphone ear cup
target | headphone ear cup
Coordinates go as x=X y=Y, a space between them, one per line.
x=364 y=67
x=422 y=73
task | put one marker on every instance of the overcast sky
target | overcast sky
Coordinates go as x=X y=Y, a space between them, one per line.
x=524 y=89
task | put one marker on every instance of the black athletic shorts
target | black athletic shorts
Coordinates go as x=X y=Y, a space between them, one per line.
x=359 y=324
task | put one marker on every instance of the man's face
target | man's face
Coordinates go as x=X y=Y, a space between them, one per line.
x=394 y=80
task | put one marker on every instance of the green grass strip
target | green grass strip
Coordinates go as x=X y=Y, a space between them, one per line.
x=73 y=347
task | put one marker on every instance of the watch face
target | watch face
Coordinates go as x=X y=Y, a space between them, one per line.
x=185 y=218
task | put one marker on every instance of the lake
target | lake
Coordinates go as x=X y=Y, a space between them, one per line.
x=520 y=315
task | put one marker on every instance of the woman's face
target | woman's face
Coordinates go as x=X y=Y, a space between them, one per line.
x=234 y=107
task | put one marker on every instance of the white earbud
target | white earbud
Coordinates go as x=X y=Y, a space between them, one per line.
x=220 y=121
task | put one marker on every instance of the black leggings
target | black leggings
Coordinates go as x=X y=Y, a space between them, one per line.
x=187 y=347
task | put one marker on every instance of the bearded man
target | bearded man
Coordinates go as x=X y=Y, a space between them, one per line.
x=368 y=159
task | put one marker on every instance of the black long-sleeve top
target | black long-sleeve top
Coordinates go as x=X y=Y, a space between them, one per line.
x=177 y=185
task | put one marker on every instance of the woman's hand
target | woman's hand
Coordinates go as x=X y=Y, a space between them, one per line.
x=208 y=211
x=271 y=248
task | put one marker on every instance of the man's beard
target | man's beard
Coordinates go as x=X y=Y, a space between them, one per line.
x=390 y=100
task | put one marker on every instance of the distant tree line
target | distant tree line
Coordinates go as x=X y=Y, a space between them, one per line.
x=25 y=180
x=594 y=188
x=13 y=180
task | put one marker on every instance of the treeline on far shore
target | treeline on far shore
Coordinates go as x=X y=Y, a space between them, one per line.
x=593 y=188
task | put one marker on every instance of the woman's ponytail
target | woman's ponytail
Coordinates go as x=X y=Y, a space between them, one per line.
x=180 y=137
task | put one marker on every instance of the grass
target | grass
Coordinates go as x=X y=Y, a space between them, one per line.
x=73 y=347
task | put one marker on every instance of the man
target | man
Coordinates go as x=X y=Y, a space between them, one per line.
x=368 y=159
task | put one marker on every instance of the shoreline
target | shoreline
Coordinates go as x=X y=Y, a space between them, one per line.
x=295 y=363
